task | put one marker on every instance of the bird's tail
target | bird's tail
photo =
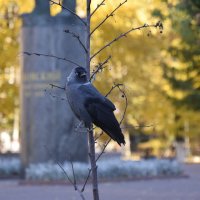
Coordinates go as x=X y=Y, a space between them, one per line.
x=116 y=135
x=119 y=138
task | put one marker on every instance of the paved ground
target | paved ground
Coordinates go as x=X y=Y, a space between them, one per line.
x=168 y=189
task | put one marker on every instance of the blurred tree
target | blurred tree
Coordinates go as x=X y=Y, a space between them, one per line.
x=181 y=65
x=9 y=59
x=8 y=63
x=183 y=73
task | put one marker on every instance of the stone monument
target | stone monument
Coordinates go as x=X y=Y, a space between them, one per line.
x=48 y=124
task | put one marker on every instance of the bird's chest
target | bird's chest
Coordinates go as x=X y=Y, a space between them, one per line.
x=75 y=100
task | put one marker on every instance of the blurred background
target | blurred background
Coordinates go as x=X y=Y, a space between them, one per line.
x=159 y=68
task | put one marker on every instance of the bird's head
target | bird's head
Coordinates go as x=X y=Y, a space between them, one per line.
x=79 y=75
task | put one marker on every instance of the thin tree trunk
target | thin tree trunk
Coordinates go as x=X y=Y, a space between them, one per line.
x=91 y=135
x=93 y=165
x=88 y=38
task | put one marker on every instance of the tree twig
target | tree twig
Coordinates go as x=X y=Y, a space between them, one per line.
x=56 y=86
x=78 y=38
x=65 y=173
x=51 y=56
x=103 y=150
x=126 y=103
x=113 y=87
x=98 y=6
x=99 y=68
x=98 y=136
x=60 y=165
x=86 y=180
x=55 y=96
x=143 y=126
x=120 y=36
x=73 y=183
x=123 y=95
x=107 y=16
x=74 y=176
x=90 y=170
x=67 y=9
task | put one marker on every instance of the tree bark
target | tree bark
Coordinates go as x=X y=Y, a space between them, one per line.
x=93 y=165
x=90 y=134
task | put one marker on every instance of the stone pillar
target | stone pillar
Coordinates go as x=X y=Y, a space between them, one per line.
x=42 y=7
x=48 y=124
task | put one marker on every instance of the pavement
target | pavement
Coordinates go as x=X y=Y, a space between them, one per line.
x=155 y=189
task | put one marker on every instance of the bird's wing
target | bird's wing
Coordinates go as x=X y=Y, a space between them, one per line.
x=101 y=110
x=91 y=93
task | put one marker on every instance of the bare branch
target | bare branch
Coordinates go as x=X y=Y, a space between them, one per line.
x=113 y=87
x=103 y=150
x=120 y=36
x=99 y=68
x=143 y=126
x=126 y=103
x=74 y=182
x=110 y=15
x=98 y=6
x=53 y=95
x=78 y=38
x=56 y=86
x=75 y=186
x=123 y=95
x=86 y=180
x=88 y=36
x=67 y=9
x=65 y=173
x=81 y=194
x=60 y=165
x=98 y=136
x=51 y=56
x=90 y=170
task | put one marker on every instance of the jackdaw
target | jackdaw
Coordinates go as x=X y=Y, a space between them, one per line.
x=90 y=106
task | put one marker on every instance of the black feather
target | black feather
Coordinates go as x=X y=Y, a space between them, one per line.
x=102 y=116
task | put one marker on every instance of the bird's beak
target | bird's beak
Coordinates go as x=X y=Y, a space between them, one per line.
x=83 y=74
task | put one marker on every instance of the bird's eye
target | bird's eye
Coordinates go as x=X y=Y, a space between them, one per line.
x=81 y=74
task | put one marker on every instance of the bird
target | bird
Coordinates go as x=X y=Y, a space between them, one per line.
x=90 y=106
